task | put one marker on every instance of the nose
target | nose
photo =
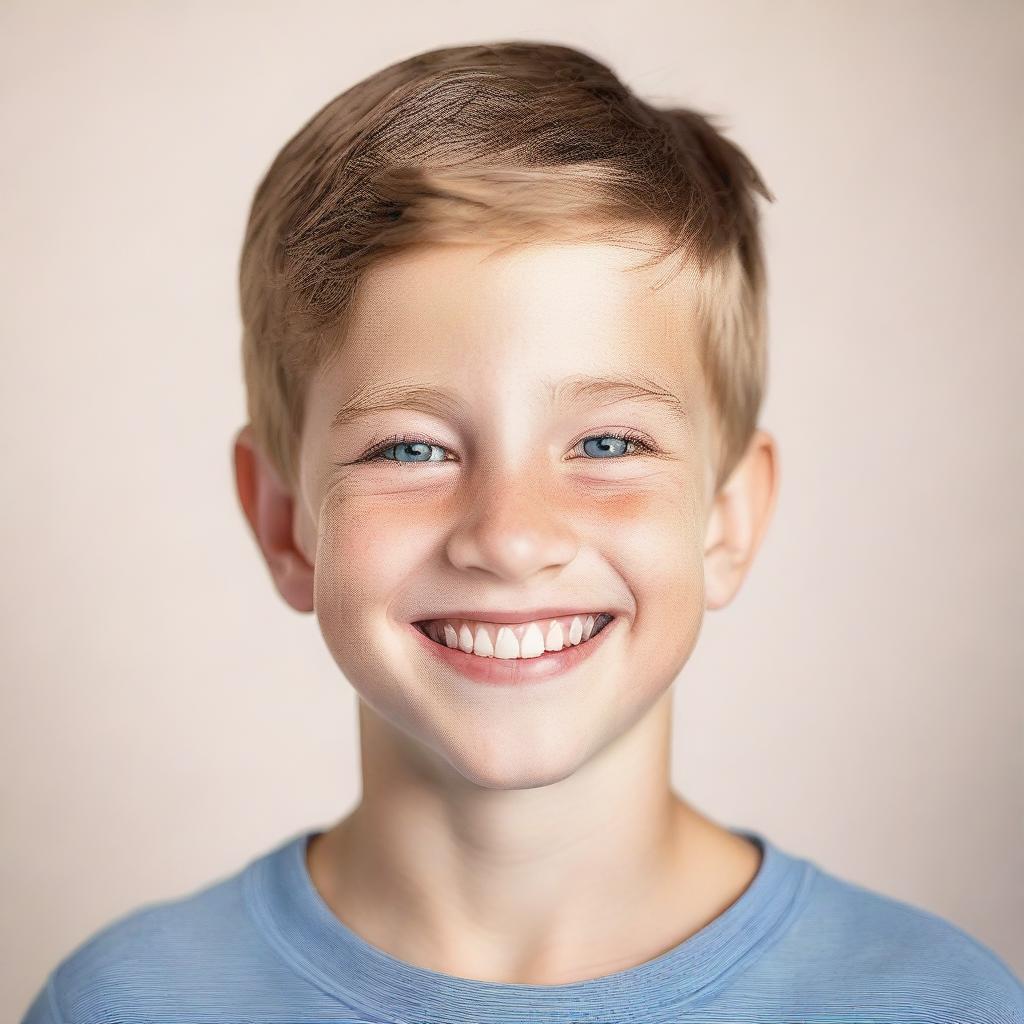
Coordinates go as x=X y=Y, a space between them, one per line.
x=511 y=528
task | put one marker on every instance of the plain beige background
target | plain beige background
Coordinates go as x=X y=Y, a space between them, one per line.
x=167 y=718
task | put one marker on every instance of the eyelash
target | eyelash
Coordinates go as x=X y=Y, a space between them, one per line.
x=396 y=439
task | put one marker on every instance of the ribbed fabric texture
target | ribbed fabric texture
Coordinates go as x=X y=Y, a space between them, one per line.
x=262 y=947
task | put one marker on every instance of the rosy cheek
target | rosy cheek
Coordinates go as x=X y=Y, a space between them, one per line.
x=654 y=520
x=623 y=507
x=352 y=550
x=652 y=538
x=368 y=543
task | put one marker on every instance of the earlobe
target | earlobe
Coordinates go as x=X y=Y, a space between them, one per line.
x=739 y=517
x=269 y=508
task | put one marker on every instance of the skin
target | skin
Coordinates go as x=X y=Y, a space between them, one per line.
x=518 y=835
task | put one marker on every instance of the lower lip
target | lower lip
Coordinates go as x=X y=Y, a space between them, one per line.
x=515 y=671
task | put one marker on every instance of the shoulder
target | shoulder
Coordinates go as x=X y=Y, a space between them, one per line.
x=891 y=956
x=160 y=956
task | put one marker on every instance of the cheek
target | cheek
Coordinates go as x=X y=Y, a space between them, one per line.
x=366 y=550
x=655 y=541
x=659 y=529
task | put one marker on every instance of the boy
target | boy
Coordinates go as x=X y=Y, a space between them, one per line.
x=509 y=464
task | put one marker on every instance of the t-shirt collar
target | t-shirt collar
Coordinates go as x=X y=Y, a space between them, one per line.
x=296 y=920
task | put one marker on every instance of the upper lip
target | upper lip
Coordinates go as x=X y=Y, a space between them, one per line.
x=530 y=615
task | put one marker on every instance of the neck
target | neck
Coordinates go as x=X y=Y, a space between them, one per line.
x=598 y=872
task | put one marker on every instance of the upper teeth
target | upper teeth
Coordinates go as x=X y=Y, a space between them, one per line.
x=522 y=640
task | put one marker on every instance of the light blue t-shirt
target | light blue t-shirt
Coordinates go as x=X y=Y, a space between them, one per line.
x=262 y=947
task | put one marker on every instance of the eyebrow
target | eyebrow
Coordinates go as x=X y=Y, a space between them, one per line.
x=371 y=399
x=619 y=388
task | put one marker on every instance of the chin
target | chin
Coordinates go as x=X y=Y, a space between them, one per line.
x=511 y=765
x=521 y=777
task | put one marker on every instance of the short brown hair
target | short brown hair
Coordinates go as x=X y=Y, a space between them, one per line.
x=512 y=141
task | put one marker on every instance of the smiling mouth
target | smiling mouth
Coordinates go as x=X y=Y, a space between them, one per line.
x=519 y=641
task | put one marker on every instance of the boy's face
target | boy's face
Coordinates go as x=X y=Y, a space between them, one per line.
x=513 y=510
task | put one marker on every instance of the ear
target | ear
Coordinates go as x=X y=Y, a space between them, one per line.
x=269 y=507
x=740 y=513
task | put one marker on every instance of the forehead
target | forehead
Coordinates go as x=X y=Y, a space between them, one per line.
x=519 y=320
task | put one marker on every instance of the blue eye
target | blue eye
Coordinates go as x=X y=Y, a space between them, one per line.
x=620 y=443
x=414 y=449
x=419 y=451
